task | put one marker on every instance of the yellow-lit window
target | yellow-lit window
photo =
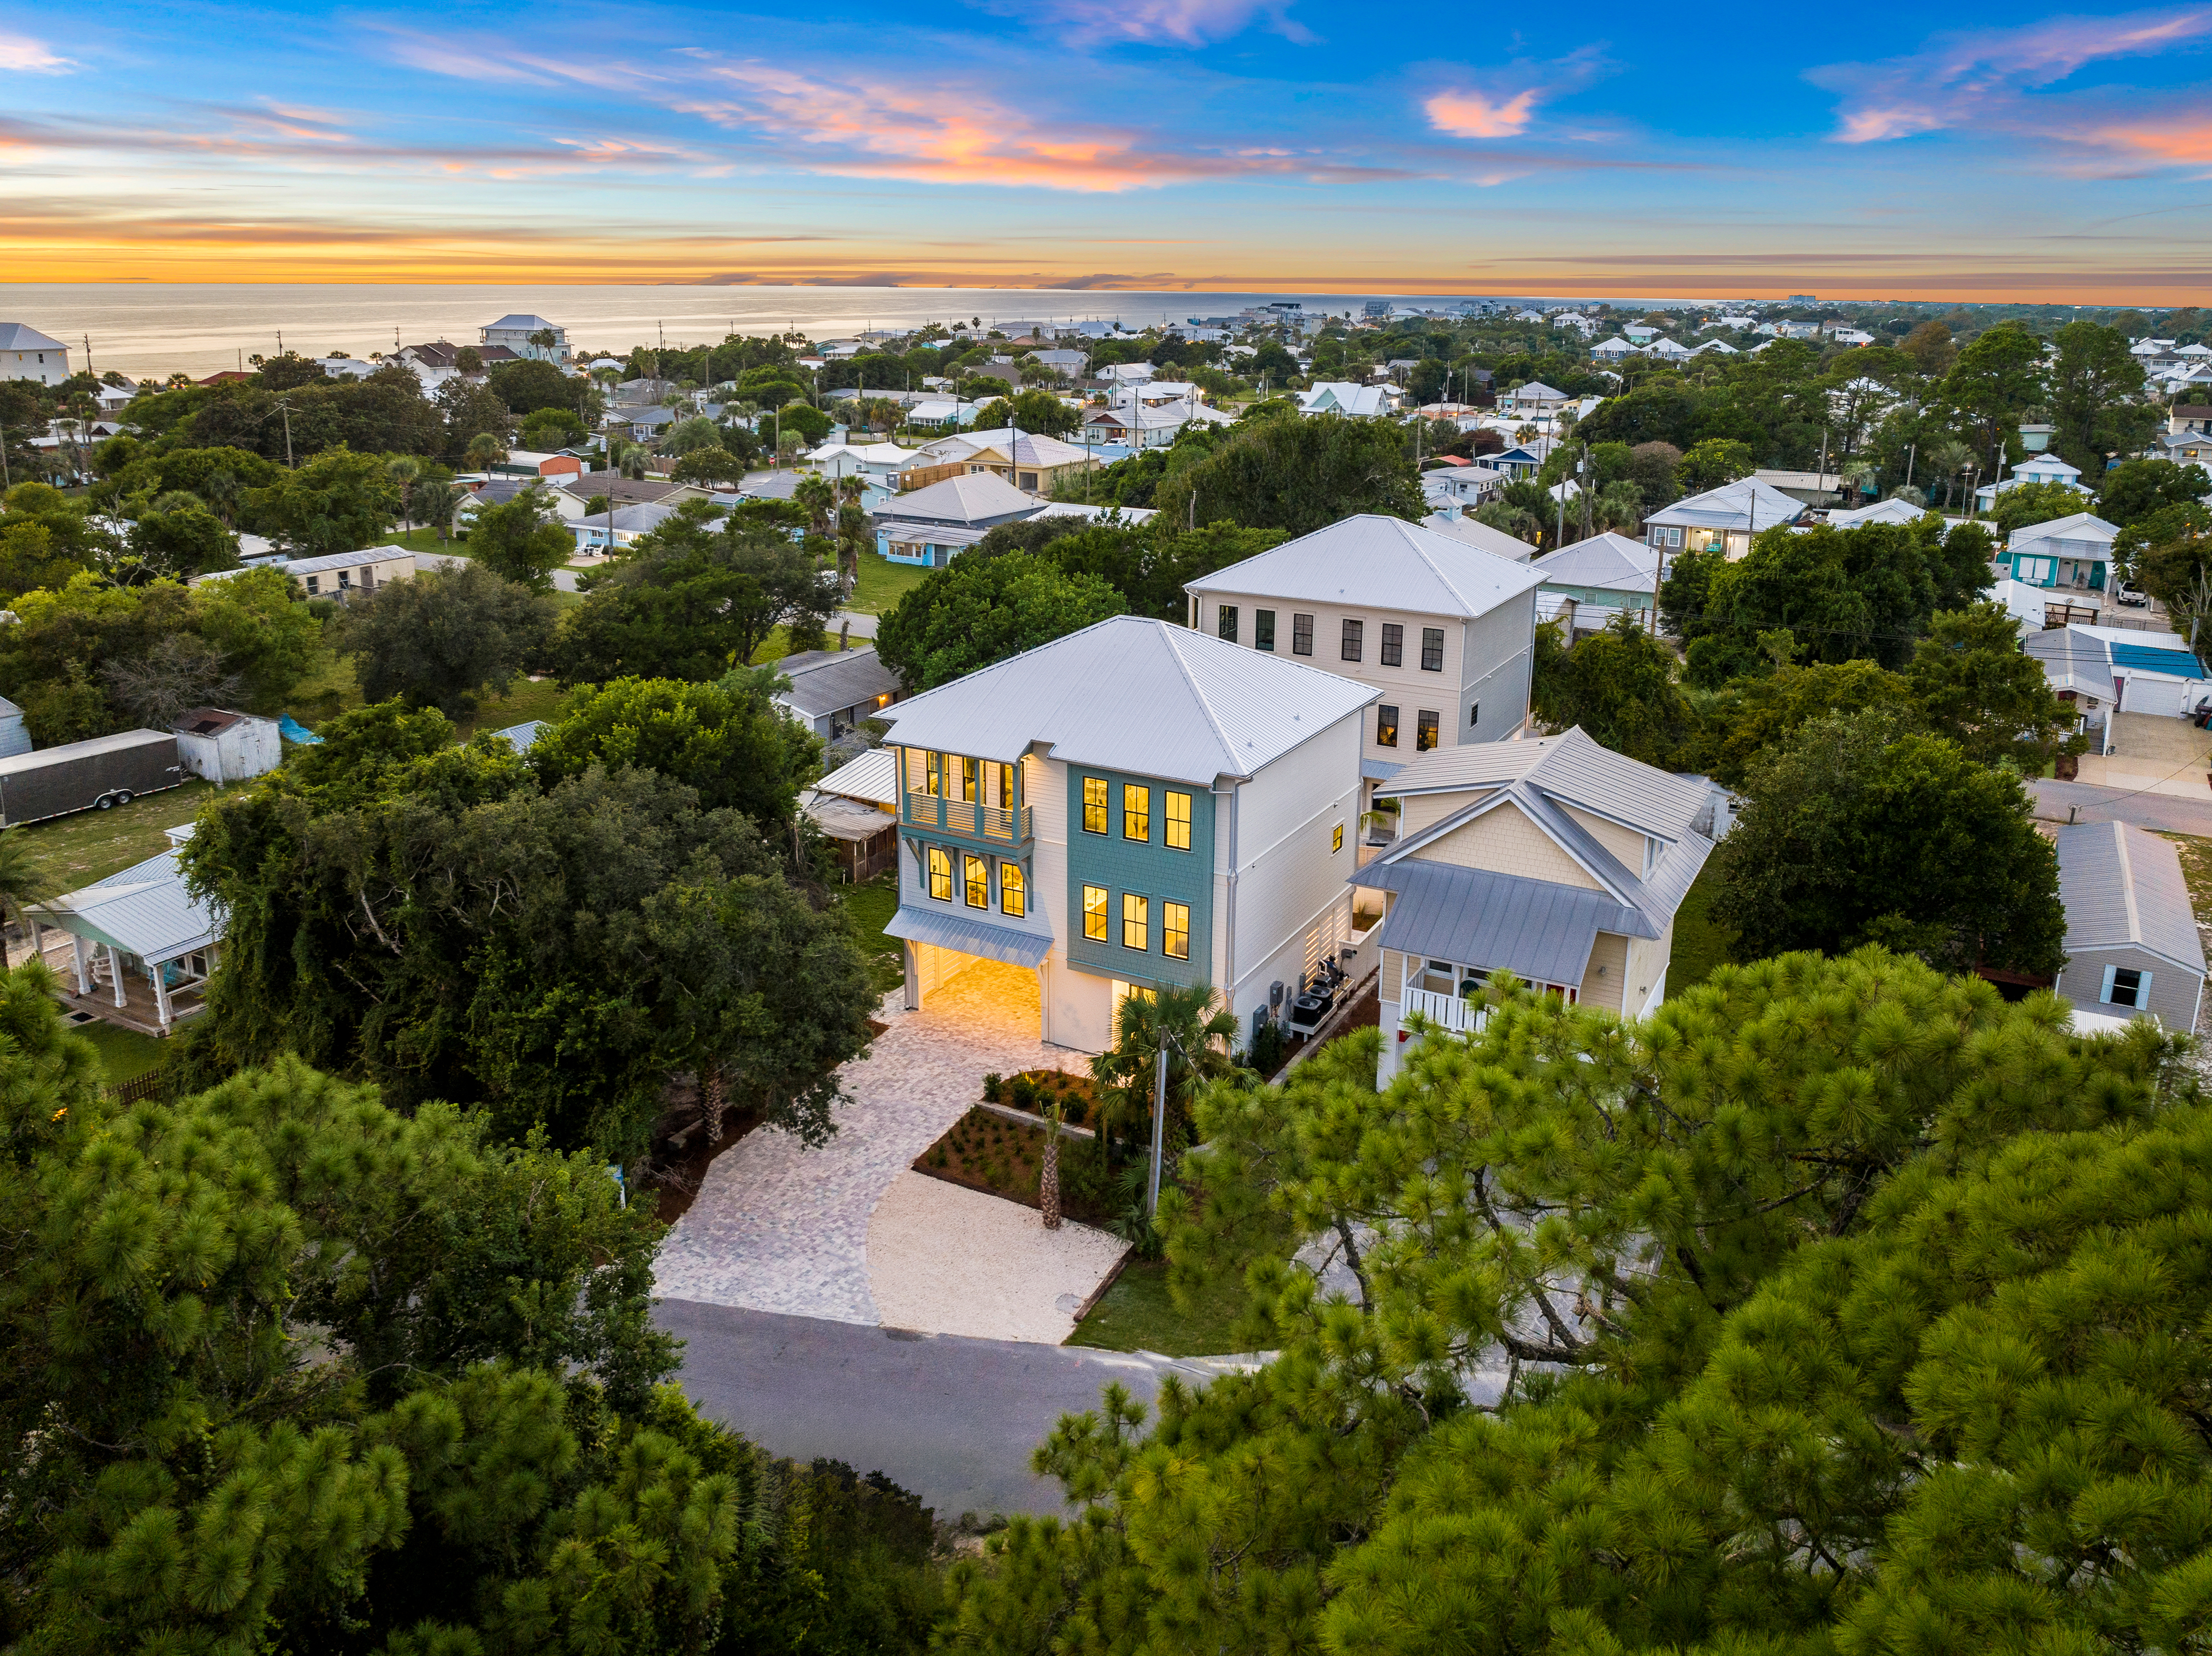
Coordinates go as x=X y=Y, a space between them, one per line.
x=937 y=773
x=1005 y=787
x=1094 y=913
x=967 y=779
x=1136 y=812
x=1178 y=821
x=1336 y=840
x=1174 y=931
x=976 y=876
x=1136 y=921
x=1094 y=805
x=941 y=873
x=1013 y=890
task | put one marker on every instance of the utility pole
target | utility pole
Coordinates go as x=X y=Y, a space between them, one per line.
x=1159 y=1119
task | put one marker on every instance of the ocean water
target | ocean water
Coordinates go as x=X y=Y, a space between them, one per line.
x=156 y=329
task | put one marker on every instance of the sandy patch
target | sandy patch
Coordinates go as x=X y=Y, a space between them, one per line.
x=946 y=1260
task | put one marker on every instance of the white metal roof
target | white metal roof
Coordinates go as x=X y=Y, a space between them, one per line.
x=1385 y=563
x=872 y=777
x=1608 y=560
x=1479 y=535
x=965 y=499
x=2121 y=885
x=22 y=337
x=2085 y=527
x=1730 y=506
x=1135 y=694
x=1881 y=512
x=368 y=555
x=144 y=911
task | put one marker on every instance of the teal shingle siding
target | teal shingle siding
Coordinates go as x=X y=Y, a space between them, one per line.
x=1150 y=870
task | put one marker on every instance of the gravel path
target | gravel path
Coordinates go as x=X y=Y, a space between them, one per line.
x=780 y=1228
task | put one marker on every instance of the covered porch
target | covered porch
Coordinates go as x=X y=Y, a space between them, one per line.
x=974 y=972
x=135 y=949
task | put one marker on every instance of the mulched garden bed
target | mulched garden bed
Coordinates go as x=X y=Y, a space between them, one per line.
x=1033 y=1090
x=989 y=1153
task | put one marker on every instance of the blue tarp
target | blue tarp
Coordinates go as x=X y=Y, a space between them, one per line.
x=293 y=731
x=2152 y=658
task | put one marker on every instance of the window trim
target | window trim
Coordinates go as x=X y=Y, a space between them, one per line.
x=1097 y=911
x=1096 y=824
x=1137 y=911
x=939 y=863
x=1435 y=650
x=1171 y=823
x=1427 y=731
x=1137 y=816
x=1018 y=909
x=1355 y=639
x=1263 y=630
x=1169 y=931
x=1224 y=622
x=1394 y=644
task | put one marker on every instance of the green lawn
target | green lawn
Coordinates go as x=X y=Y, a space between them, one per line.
x=882 y=583
x=523 y=700
x=123 y=1053
x=424 y=540
x=86 y=846
x=1136 y=1315
x=871 y=905
x=1701 y=943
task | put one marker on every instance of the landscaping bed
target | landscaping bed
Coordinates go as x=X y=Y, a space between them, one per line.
x=984 y=1151
x=1034 y=1091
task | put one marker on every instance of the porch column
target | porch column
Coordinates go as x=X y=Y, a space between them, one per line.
x=83 y=977
x=160 y=974
x=115 y=975
x=912 y=975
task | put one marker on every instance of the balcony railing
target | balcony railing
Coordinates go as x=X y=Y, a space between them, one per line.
x=1446 y=1012
x=966 y=816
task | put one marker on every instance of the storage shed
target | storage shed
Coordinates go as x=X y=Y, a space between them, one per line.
x=221 y=746
x=2131 y=941
x=856 y=806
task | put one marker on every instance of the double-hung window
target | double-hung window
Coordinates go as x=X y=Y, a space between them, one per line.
x=1226 y=622
x=1174 y=931
x=1394 y=645
x=1301 y=634
x=1013 y=890
x=1006 y=786
x=1136 y=921
x=969 y=780
x=1136 y=812
x=1385 y=727
x=1178 y=822
x=1094 y=805
x=941 y=873
x=1263 y=629
x=1425 y=731
x=937 y=774
x=1094 y=913
x=976 y=877
x=1353 y=638
x=1432 y=649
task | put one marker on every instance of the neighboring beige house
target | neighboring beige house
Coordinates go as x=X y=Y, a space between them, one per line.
x=1553 y=859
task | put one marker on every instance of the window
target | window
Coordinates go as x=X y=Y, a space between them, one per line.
x=314 y=585
x=968 y=780
x=976 y=876
x=1136 y=920
x=937 y=774
x=1006 y=786
x=1394 y=645
x=1336 y=840
x=1301 y=634
x=941 y=873
x=2126 y=986
x=1263 y=629
x=1094 y=805
x=1425 y=731
x=1136 y=812
x=1474 y=714
x=1353 y=630
x=1174 y=931
x=1666 y=536
x=1385 y=727
x=1178 y=822
x=1432 y=649
x=1013 y=890
x=1094 y=913
x=1227 y=622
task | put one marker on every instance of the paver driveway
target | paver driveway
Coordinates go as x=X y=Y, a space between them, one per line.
x=780 y=1228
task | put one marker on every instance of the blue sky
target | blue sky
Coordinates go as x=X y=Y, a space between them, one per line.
x=1129 y=143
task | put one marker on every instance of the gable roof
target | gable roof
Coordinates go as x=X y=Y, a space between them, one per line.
x=829 y=681
x=967 y=499
x=1608 y=560
x=2121 y=885
x=1134 y=694
x=144 y=911
x=1379 y=562
x=22 y=337
x=1881 y=512
x=2075 y=526
x=1746 y=503
x=1542 y=777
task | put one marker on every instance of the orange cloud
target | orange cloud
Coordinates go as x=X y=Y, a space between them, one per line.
x=1475 y=115
x=2183 y=143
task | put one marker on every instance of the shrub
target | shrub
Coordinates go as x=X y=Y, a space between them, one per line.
x=1025 y=1095
x=991 y=1085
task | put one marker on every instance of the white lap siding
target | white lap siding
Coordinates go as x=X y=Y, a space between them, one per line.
x=1291 y=874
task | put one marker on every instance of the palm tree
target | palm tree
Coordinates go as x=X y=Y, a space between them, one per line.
x=1198 y=1028
x=405 y=471
x=819 y=496
x=22 y=881
x=485 y=451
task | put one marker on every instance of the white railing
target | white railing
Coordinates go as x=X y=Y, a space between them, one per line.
x=1446 y=1012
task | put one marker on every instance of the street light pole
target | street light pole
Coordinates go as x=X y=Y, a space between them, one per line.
x=1159 y=1121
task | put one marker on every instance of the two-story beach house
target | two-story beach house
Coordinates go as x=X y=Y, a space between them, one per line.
x=2075 y=551
x=1442 y=630
x=1131 y=806
x=1555 y=860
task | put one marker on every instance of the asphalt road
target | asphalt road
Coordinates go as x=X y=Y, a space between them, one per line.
x=2083 y=803
x=952 y=1419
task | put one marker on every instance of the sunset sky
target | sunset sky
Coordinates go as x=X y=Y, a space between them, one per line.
x=1118 y=143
